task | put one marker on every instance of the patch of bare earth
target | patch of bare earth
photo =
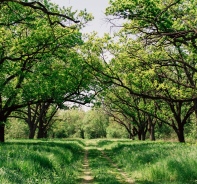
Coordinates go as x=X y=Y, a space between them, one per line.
x=87 y=175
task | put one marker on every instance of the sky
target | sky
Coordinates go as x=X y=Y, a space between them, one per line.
x=96 y=7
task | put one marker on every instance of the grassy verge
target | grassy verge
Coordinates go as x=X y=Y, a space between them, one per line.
x=157 y=162
x=40 y=162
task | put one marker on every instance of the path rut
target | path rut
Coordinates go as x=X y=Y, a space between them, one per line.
x=87 y=176
x=120 y=171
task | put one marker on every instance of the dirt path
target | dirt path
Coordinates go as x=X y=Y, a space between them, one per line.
x=87 y=176
x=112 y=169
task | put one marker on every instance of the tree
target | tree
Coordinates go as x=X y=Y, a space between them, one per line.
x=132 y=112
x=46 y=120
x=169 y=27
x=35 y=41
x=69 y=123
x=168 y=31
x=31 y=115
x=95 y=124
x=16 y=129
x=153 y=57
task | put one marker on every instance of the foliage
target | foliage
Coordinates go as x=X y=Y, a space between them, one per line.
x=69 y=124
x=39 y=58
x=114 y=130
x=16 y=129
x=77 y=123
x=95 y=123
x=156 y=62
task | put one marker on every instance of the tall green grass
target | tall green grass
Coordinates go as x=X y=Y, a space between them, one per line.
x=43 y=162
x=60 y=162
x=157 y=162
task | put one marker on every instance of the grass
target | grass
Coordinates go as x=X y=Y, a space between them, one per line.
x=158 y=162
x=60 y=161
x=102 y=170
x=40 y=162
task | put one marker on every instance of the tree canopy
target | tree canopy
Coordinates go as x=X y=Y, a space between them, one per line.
x=143 y=75
x=39 y=58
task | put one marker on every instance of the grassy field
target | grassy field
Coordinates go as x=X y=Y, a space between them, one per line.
x=157 y=162
x=25 y=162
x=110 y=162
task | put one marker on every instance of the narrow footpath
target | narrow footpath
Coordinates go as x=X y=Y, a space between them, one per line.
x=87 y=175
x=99 y=168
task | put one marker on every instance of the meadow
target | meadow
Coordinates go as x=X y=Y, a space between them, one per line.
x=156 y=162
x=110 y=162
x=44 y=162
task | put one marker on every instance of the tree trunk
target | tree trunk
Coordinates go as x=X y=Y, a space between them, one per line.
x=130 y=131
x=151 y=129
x=195 y=108
x=152 y=133
x=181 y=137
x=180 y=133
x=31 y=134
x=2 y=132
x=32 y=130
x=143 y=135
x=42 y=130
x=130 y=135
x=41 y=133
x=139 y=136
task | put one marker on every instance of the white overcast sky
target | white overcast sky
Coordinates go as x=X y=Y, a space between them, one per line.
x=96 y=7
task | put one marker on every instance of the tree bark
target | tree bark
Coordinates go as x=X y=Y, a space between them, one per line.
x=2 y=127
x=195 y=109
x=180 y=133
x=40 y=130
x=152 y=133
x=31 y=133
x=143 y=136
x=181 y=137
x=2 y=132
x=139 y=136
x=130 y=135
x=151 y=129
x=82 y=134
